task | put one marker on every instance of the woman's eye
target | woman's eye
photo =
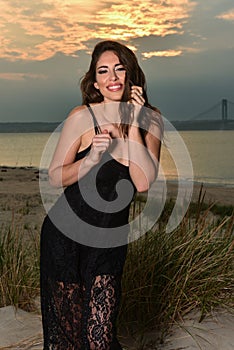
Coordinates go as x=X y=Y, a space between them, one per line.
x=120 y=69
x=103 y=71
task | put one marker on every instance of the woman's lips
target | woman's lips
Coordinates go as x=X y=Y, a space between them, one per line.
x=115 y=87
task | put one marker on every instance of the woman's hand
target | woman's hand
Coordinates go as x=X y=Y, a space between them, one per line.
x=137 y=95
x=100 y=144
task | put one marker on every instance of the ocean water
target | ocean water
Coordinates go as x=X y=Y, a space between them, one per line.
x=211 y=153
x=203 y=156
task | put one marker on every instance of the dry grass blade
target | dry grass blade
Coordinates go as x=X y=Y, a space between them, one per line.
x=19 y=267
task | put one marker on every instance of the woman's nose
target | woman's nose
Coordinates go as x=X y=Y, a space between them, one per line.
x=113 y=75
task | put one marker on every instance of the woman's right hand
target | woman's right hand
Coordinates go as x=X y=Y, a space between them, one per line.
x=100 y=144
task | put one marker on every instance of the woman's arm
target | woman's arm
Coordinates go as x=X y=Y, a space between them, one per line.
x=143 y=158
x=64 y=170
x=144 y=153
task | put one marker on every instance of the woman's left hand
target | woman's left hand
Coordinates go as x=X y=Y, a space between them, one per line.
x=137 y=95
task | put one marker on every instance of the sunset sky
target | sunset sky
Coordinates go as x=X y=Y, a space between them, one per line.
x=185 y=47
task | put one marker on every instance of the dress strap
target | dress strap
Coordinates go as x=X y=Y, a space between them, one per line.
x=96 y=125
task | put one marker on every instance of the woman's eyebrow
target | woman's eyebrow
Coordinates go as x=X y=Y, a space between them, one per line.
x=117 y=64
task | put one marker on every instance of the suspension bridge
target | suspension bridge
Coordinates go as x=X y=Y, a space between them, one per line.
x=218 y=117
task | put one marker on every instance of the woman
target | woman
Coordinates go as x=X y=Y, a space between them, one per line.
x=80 y=277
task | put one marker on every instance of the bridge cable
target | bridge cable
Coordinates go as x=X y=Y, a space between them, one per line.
x=206 y=111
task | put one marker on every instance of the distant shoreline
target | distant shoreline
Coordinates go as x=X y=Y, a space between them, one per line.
x=181 y=125
x=28 y=127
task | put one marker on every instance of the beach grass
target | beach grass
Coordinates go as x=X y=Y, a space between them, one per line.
x=19 y=266
x=166 y=275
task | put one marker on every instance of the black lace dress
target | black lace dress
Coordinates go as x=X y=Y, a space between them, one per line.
x=81 y=284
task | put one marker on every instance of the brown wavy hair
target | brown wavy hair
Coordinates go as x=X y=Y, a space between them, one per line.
x=134 y=76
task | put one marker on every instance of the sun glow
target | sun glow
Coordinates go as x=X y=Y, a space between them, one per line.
x=228 y=16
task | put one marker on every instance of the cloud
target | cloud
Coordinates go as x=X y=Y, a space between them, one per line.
x=228 y=16
x=37 y=31
x=180 y=50
x=164 y=53
x=21 y=76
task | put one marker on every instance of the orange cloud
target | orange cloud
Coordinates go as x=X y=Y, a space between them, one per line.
x=166 y=53
x=228 y=16
x=21 y=76
x=36 y=31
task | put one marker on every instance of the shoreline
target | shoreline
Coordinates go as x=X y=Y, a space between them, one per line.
x=25 y=180
x=21 y=202
x=168 y=179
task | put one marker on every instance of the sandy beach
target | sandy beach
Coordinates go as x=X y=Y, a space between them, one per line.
x=20 y=200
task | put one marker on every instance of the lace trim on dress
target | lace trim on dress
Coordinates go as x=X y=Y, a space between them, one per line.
x=103 y=308
x=62 y=305
x=79 y=318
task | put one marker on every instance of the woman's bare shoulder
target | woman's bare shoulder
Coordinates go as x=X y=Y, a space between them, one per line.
x=75 y=111
x=78 y=120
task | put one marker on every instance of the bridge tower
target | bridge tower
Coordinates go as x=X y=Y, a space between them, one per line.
x=224 y=110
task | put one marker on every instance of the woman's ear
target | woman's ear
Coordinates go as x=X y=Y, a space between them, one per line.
x=96 y=85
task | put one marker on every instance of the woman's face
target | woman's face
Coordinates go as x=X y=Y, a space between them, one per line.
x=110 y=77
